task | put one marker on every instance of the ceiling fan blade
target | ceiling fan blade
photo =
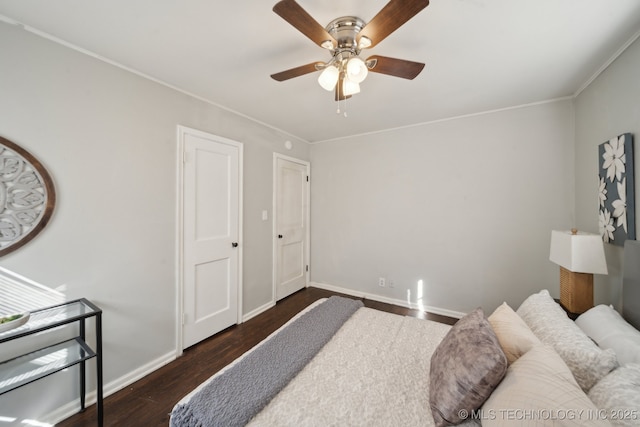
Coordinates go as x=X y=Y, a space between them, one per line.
x=390 y=18
x=295 y=15
x=395 y=67
x=295 y=72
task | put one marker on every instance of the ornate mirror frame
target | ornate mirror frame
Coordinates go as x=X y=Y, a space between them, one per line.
x=27 y=197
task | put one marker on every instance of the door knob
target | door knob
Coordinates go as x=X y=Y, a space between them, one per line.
x=234 y=244
x=279 y=236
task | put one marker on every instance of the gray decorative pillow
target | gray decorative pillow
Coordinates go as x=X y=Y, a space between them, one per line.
x=465 y=368
x=618 y=395
x=547 y=320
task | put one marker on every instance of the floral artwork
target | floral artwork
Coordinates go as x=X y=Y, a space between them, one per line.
x=616 y=197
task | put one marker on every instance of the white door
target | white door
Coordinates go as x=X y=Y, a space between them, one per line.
x=291 y=225
x=211 y=256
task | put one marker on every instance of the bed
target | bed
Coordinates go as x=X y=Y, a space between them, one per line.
x=338 y=363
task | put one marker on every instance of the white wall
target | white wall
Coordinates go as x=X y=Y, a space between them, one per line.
x=608 y=107
x=464 y=207
x=108 y=138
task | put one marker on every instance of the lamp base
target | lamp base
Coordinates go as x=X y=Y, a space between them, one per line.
x=576 y=290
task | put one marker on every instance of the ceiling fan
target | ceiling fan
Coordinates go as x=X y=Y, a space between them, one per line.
x=344 y=38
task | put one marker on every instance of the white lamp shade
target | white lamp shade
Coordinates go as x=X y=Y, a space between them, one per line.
x=328 y=77
x=580 y=253
x=350 y=87
x=357 y=70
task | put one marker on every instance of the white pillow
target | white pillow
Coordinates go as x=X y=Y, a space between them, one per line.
x=608 y=329
x=618 y=395
x=514 y=335
x=539 y=390
x=550 y=324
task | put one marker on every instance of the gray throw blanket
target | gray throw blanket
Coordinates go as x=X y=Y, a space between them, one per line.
x=235 y=396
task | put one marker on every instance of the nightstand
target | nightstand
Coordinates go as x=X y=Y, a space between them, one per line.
x=572 y=316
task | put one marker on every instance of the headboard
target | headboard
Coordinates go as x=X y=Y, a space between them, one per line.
x=631 y=283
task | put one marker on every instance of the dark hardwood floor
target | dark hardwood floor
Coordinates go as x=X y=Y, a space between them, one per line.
x=149 y=401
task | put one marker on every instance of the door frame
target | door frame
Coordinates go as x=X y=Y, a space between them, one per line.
x=180 y=161
x=274 y=267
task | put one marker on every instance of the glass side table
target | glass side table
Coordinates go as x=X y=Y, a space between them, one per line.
x=30 y=367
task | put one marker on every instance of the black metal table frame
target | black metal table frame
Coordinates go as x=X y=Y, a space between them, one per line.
x=81 y=318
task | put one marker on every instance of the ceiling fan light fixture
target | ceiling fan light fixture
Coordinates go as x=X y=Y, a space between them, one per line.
x=357 y=70
x=328 y=78
x=349 y=87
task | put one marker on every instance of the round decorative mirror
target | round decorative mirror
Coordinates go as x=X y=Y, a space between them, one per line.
x=27 y=196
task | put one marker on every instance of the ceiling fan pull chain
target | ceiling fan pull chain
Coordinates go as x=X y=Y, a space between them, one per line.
x=345 y=107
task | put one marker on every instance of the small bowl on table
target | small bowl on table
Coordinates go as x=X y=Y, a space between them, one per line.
x=13 y=321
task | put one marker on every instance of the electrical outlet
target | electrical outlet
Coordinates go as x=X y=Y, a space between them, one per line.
x=382 y=281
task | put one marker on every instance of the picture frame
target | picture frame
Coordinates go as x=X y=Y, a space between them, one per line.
x=616 y=193
x=27 y=196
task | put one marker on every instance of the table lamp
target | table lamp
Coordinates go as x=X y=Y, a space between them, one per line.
x=580 y=256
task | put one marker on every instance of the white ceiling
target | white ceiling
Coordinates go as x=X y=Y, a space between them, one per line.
x=480 y=55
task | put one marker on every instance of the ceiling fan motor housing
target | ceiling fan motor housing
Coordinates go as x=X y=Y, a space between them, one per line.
x=345 y=30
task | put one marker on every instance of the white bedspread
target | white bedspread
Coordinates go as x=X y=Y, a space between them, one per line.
x=374 y=372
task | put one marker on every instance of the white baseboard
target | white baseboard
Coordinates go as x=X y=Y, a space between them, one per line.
x=387 y=300
x=258 y=311
x=65 y=411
